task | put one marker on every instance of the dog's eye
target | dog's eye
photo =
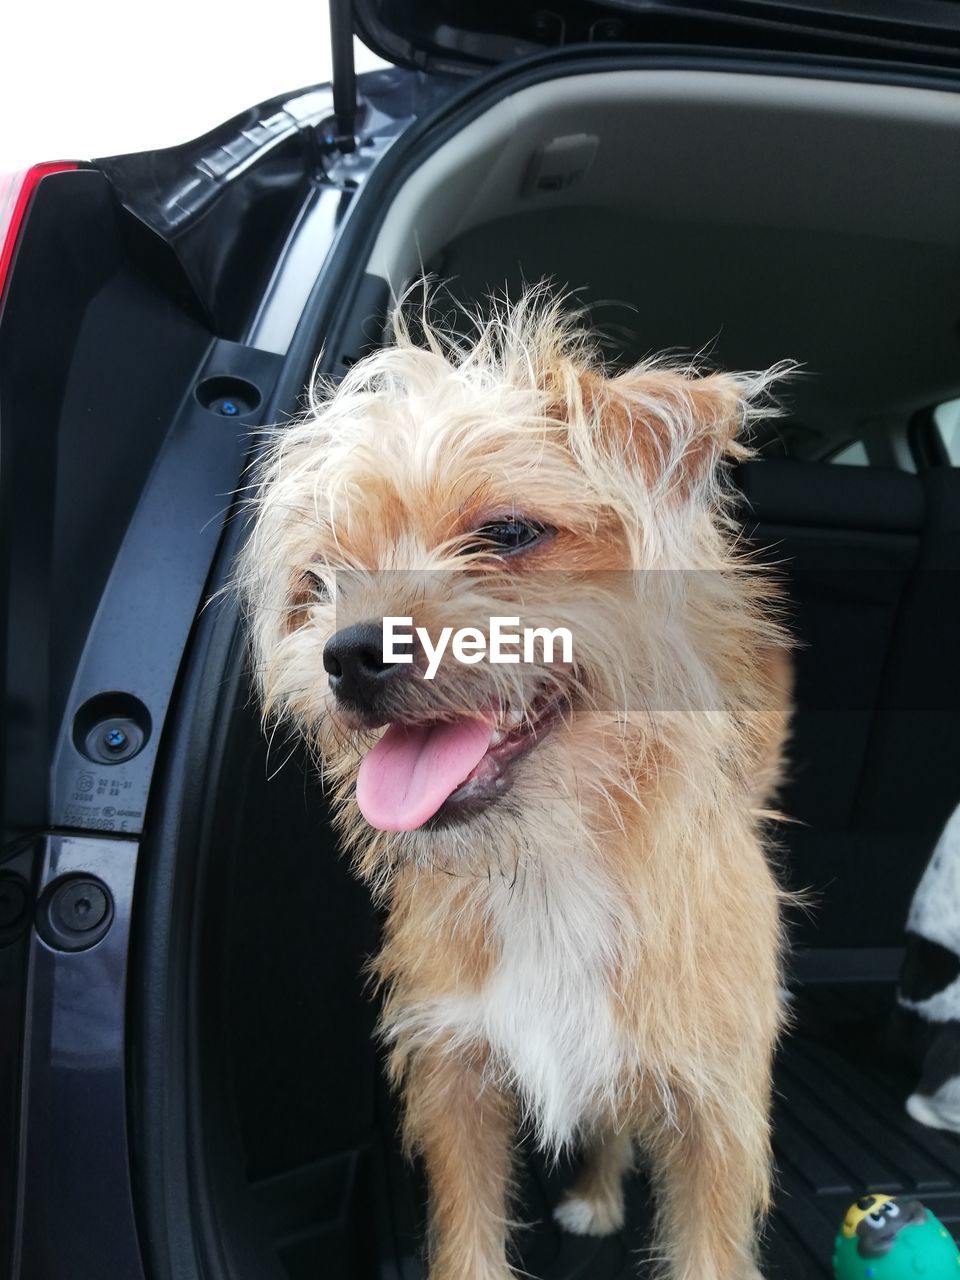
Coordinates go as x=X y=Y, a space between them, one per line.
x=313 y=585
x=506 y=536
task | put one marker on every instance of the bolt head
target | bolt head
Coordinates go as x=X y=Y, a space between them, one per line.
x=81 y=906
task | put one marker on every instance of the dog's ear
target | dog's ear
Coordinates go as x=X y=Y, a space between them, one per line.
x=671 y=427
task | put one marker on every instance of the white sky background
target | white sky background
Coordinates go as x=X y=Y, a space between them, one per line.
x=84 y=78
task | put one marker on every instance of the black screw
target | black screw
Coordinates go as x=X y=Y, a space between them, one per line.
x=79 y=906
x=110 y=740
x=115 y=739
x=75 y=914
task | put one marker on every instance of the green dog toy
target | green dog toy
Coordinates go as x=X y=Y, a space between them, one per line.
x=883 y=1238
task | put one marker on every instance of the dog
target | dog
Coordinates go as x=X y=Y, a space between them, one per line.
x=582 y=927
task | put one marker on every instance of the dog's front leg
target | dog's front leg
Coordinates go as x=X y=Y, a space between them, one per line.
x=713 y=1171
x=464 y=1127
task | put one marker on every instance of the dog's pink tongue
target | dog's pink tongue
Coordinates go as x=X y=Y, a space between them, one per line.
x=407 y=775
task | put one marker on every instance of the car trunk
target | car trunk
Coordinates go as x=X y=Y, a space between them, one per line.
x=298 y=1144
x=749 y=216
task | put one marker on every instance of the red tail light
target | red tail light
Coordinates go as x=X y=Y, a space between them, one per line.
x=16 y=192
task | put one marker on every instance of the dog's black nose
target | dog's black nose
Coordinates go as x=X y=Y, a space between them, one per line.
x=353 y=659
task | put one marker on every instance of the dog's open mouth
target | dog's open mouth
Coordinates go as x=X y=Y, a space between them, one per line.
x=438 y=770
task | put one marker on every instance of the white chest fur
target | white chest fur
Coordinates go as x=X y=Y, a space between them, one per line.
x=546 y=1010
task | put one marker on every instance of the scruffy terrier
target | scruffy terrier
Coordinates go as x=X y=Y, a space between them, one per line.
x=583 y=932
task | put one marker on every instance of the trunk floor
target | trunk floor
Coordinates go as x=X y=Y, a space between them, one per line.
x=839 y=1129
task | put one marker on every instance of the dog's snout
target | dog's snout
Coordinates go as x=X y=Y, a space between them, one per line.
x=353 y=659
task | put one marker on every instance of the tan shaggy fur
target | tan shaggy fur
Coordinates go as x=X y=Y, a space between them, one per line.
x=596 y=954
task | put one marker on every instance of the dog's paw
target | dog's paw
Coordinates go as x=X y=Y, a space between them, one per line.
x=584 y=1217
